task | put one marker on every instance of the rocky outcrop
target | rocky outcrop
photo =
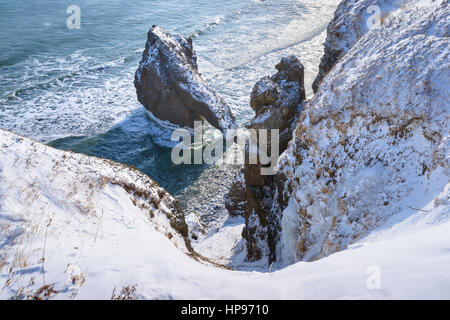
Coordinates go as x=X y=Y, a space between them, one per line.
x=236 y=201
x=351 y=22
x=168 y=84
x=373 y=141
x=277 y=101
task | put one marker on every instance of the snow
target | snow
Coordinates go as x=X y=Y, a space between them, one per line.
x=407 y=271
x=224 y=245
x=57 y=206
x=183 y=70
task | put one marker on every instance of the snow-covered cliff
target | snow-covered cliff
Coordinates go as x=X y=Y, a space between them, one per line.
x=372 y=145
x=60 y=210
x=352 y=19
x=77 y=227
x=277 y=101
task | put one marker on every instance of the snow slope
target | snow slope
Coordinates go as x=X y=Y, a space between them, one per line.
x=89 y=254
x=351 y=21
x=56 y=207
x=163 y=272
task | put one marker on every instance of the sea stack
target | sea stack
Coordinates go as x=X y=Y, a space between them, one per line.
x=169 y=85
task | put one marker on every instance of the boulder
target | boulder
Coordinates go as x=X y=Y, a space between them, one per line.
x=169 y=85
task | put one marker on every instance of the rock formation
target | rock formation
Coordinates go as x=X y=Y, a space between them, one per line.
x=351 y=22
x=168 y=84
x=277 y=101
x=372 y=142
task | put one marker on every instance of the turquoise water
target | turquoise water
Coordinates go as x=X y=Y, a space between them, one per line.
x=73 y=89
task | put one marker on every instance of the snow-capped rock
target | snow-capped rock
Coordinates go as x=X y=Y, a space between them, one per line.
x=168 y=84
x=276 y=99
x=58 y=208
x=373 y=142
x=352 y=19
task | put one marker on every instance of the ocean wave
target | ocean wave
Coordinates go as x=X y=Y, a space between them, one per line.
x=284 y=46
x=73 y=70
x=275 y=26
x=235 y=15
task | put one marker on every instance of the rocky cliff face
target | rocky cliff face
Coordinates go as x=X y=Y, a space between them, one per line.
x=352 y=20
x=277 y=100
x=168 y=84
x=373 y=141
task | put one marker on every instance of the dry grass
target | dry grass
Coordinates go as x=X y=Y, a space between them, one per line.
x=43 y=293
x=3 y=261
x=20 y=259
x=127 y=293
x=342 y=206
